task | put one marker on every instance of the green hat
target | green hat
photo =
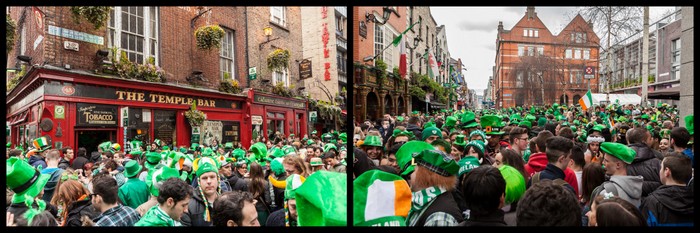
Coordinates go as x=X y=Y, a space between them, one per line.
x=529 y=117
x=259 y=150
x=24 y=180
x=183 y=150
x=322 y=200
x=515 y=117
x=450 y=122
x=491 y=125
x=467 y=164
x=429 y=124
x=314 y=132
x=156 y=177
x=577 y=122
x=415 y=113
x=206 y=151
x=103 y=146
x=468 y=120
x=132 y=168
x=618 y=150
x=157 y=142
x=459 y=140
x=478 y=132
x=152 y=160
x=289 y=150
x=515 y=183
x=228 y=145
x=431 y=131
x=665 y=133
x=541 y=122
x=343 y=136
x=478 y=146
x=180 y=160
x=380 y=199
x=404 y=155
x=399 y=119
x=277 y=167
x=689 y=124
x=327 y=137
x=9 y=145
x=329 y=146
x=645 y=116
x=309 y=142
x=598 y=128
x=194 y=146
x=372 y=140
x=41 y=143
x=277 y=152
x=526 y=124
x=293 y=182
x=291 y=135
x=316 y=161
x=206 y=164
x=166 y=148
x=437 y=162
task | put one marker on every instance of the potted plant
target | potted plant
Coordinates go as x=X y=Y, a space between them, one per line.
x=97 y=15
x=381 y=70
x=209 y=37
x=229 y=85
x=150 y=72
x=278 y=60
x=194 y=116
x=10 y=36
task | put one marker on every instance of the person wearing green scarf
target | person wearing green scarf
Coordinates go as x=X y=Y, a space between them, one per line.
x=208 y=189
x=433 y=183
x=174 y=196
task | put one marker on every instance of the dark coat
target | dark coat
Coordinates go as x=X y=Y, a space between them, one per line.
x=276 y=219
x=495 y=219
x=79 y=162
x=647 y=165
x=63 y=164
x=669 y=206
x=19 y=208
x=415 y=130
x=237 y=183
x=552 y=172
x=195 y=211
x=35 y=161
x=79 y=209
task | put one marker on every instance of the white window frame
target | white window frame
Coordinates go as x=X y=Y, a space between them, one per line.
x=231 y=59
x=567 y=54
x=521 y=50
x=525 y=32
x=390 y=54
x=378 y=41
x=280 y=19
x=285 y=77
x=540 y=51
x=531 y=32
x=147 y=36
x=530 y=51
x=577 y=54
x=586 y=54
x=537 y=33
x=676 y=51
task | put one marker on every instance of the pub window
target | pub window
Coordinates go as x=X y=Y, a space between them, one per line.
x=134 y=30
x=226 y=56
x=280 y=76
x=139 y=127
x=275 y=123
x=586 y=54
x=164 y=126
x=278 y=15
x=378 y=41
x=540 y=51
x=577 y=54
x=521 y=50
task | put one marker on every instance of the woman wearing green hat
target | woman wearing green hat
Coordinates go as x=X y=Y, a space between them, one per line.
x=432 y=184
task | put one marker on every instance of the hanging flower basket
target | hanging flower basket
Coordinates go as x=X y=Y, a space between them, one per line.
x=278 y=60
x=230 y=85
x=194 y=116
x=10 y=36
x=97 y=15
x=209 y=37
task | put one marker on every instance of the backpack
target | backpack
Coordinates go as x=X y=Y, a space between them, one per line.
x=536 y=179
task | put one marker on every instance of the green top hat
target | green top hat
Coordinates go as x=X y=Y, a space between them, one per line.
x=207 y=152
x=689 y=124
x=156 y=177
x=132 y=168
x=276 y=152
x=459 y=140
x=431 y=131
x=515 y=183
x=327 y=137
x=515 y=117
x=24 y=180
x=289 y=150
x=343 y=137
x=598 y=128
x=491 y=125
x=194 y=146
x=309 y=142
x=238 y=153
x=372 y=140
x=152 y=160
x=158 y=142
x=166 y=148
x=467 y=164
x=277 y=167
x=577 y=123
x=530 y=117
x=259 y=150
x=9 y=145
x=437 y=162
x=645 y=117
x=228 y=145
x=468 y=120
x=450 y=122
x=618 y=150
x=329 y=146
x=103 y=146
x=399 y=119
x=316 y=161
x=314 y=132
x=404 y=155
x=291 y=135
x=41 y=143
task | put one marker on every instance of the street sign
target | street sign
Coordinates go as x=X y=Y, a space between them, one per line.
x=252 y=73
x=589 y=72
x=313 y=114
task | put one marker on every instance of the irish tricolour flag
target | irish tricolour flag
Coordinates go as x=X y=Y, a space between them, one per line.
x=380 y=199
x=586 y=101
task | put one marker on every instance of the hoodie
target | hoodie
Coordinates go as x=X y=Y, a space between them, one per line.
x=669 y=205
x=63 y=164
x=647 y=165
x=629 y=188
x=415 y=130
x=50 y=186
x=537 y=162
x=35 y=161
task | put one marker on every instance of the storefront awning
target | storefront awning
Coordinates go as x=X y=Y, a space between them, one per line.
x=673 y=93
x=19 y=118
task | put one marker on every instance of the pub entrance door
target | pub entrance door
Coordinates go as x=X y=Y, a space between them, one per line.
x=91 y=138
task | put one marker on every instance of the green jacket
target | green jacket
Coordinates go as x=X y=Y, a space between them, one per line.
x=134 y=192
x=155 y=217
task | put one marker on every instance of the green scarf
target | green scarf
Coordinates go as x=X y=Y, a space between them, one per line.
x=156 y=217
x=423 y=198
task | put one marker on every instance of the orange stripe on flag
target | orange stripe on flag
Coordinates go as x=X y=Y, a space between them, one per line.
x=583 y=105
x=402 y=198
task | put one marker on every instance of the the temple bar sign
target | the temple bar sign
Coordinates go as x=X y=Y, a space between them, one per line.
x=278 y=101
x=163 y=99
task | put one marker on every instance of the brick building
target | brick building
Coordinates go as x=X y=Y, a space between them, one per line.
x=533 y=66
x=68 y=82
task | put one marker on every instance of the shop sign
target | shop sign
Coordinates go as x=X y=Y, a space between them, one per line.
x=305 y=69
x=96 y=115
x=231 y=132
x=252 y=73
x=113 y=93
x=363 y=29
x=76 y=35
x=278 y=101
x=59 y=112
x=256 y=120
x=211 y=131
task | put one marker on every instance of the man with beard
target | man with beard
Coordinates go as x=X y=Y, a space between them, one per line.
x=374 y=148
x=492 y=127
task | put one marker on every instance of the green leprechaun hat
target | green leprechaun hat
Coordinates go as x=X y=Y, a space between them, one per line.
x=316 y=161
x=491 y=125
x=293 y=182
x=238 y=153
x=343 y=137
x=468 y=120
x=152 y=160
x=156 y=177
x=288 y=150
x=404 y=156
x=276 y=152
x=372 y=140
x=228 y=145
x=437 y=162
x=158 y=142
x=105 y=146
x=132 y=168
x=322 y=200
x=41 y=143
x=689 y=124
x=460 y=140
x=259 y=150
x=380 y=199
x=24 y=180
x=329 y=146
x=207 y=152
x=327 y=137
x=450 y=122
x=619 y=151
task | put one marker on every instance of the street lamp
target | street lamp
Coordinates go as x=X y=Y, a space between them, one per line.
x=268 y=33
x=386 y=14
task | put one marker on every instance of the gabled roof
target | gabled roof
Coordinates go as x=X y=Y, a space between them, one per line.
x=578 y=24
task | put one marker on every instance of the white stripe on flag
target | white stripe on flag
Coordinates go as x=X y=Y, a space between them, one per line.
x=380 y=200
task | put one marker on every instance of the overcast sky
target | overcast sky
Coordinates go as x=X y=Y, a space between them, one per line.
x=471 y=33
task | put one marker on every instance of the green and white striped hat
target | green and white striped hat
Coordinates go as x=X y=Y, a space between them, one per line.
x=380 y=199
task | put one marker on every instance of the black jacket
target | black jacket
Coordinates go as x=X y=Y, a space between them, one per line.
x=79 y=162
x=19 y=208
x=647 y=165
x=63 y=164
x=552 y=172
x=276 y=219
x=494 y=219
x=237 y=183
x=669 y=206
x=195 y=211
x=79 y=209
x=415 y=130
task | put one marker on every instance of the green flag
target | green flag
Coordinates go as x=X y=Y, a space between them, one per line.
x=397 y=40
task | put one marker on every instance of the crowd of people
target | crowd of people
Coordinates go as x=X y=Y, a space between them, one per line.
x=552 y=165
x=285 y=181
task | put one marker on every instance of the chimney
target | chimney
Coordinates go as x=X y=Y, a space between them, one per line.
x=530 y=12
x=500 y=26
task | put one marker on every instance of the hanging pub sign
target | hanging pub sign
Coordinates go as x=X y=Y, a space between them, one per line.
x=96 y=115
x=305 y=69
